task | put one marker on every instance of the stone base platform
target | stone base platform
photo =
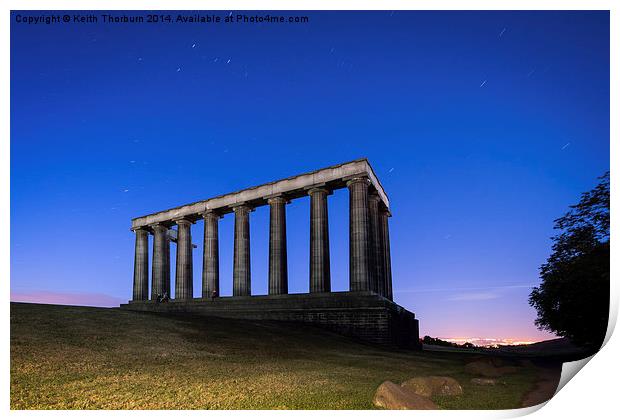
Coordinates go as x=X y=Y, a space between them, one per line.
x=362 y=315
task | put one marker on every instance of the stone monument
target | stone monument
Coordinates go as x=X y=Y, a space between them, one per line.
x=366 y=311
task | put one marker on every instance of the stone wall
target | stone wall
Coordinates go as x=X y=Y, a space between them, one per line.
x=362 y=315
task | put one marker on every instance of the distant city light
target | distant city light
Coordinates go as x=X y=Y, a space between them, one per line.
x=488 y=342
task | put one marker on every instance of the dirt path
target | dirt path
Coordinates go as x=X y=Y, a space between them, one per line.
x=544 y=389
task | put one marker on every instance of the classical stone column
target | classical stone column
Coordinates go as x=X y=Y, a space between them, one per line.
x=184 y=286
x=211 y=256
x=241 y=259
x=377 y=283
x=141 y=266
x=158 y=277
x=166 y=282
x=320 y=280
x=359 y=247
x=278 y=270
x=385 y=242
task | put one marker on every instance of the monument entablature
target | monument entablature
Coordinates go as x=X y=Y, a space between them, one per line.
x=332 y=178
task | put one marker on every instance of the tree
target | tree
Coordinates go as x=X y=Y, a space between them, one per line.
x=573 y=298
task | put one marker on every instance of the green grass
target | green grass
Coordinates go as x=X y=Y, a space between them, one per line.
x=66 y=357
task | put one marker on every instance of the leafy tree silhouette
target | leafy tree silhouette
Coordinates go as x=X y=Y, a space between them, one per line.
x=573 y=298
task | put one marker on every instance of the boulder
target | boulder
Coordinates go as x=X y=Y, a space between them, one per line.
x=491 y=360
x=488 y=368
x=507 y=369
x=482 y=368
x=496 y=361
x=427 y=386
x=527 y=363
x=486 y=382
x=394 y=397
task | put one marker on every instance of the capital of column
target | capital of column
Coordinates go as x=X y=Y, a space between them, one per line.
x=374 y=197
x=357 y=180
x=318 y=190
x=211 y=214
x=278 y=199
x=139 y=229
x=158 y=227
x=183 y=221
x=242 y=208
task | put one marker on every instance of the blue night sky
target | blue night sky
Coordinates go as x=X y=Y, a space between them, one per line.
x=482 y=126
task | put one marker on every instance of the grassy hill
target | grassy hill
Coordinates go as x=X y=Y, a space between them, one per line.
x=559 y=348
x=67 y=357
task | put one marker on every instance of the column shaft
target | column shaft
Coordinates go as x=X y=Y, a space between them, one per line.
x=377 y=283
x=387 y=263
x=359 y=249
x=211 y=256
x=160 y=233
x=278 y=270
x=184 y=286
x=141 y=266
x=166 y=281
x=320 y=278
x=241 y=259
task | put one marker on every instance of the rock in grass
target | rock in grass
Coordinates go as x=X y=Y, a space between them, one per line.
x=486 y=382
x=507 y=369
x=488 y=368
x=527 y=363
x=394 y=397
x=492 y=360
x=427 y=386
x=480 y=368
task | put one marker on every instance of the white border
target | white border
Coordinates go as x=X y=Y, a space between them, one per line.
x=593 y=395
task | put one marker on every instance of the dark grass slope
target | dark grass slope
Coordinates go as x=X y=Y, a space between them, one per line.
x=67 y=357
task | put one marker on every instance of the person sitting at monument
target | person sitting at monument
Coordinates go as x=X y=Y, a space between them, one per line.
x=165 y=297
x=213 y=294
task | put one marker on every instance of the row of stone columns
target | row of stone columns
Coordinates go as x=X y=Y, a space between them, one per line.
x=369 y=249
